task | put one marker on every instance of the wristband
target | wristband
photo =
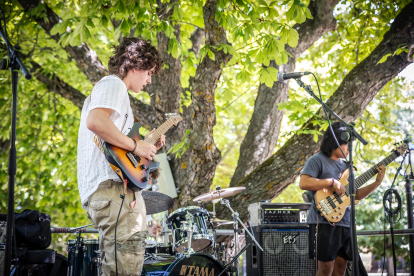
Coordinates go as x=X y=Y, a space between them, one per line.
x=135 y=145
x=333 y=181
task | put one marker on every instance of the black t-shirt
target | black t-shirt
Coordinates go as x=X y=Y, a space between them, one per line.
x=322 y=167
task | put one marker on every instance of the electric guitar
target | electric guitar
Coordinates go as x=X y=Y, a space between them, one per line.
x=332 y=206
x=131 y=167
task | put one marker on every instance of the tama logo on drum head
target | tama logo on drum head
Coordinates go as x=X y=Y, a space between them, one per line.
x=190 y=270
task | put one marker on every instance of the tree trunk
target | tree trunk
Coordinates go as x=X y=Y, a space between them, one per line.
x=349 y=101
x=196 y=168
x=263 y=131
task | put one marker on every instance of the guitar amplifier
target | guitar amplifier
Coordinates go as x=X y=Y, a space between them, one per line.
x=285 y=251
x=263 y=213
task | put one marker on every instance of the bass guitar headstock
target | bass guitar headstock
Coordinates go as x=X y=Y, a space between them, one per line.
x=401 y=148
x=174 y=118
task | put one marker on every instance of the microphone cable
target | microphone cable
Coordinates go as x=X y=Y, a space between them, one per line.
x=327 y=117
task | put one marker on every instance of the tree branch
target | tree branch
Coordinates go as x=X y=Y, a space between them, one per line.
x=142 y=111
x=263 y=131
x=85 y=57
x=349 y=101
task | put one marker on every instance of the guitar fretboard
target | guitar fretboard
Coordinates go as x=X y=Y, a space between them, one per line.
x=152 y=139
x=363 y=178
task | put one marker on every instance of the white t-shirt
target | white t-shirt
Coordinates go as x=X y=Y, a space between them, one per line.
x=93 y=168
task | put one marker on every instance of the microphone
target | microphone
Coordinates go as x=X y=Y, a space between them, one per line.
x=281 y=77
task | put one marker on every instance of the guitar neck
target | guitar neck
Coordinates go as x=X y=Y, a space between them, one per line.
x=152 y=139
x=363 y=178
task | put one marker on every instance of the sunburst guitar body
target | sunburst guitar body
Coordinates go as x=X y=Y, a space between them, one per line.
x=331 y=206
x=130 y=167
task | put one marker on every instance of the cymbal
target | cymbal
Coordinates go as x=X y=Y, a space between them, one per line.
x=217 y=194
x=219 y=222
x=156 y=202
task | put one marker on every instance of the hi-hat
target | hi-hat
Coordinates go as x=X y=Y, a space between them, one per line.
x=219 y=222
x=219 y=193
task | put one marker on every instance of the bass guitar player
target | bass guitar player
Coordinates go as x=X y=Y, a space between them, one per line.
x=330 y=243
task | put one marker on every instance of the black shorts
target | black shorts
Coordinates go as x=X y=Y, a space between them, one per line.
x=333 y=241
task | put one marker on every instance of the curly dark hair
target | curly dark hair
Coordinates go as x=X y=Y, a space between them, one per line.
x=155 y=174
x=131 y=53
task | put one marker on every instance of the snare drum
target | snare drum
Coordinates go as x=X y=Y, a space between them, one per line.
x=181 y=220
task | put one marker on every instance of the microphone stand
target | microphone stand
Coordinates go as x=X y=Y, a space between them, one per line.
x=353 y=135
x=14 y=65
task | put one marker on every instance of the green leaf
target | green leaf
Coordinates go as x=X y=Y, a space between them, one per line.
x=59 y=28
x=307 y=12
x=174 y=48
x=211 y=55
x=104 y=21
x=121 y=7
x=85 y=34
x=90 y=23
x=79 y=28
x=384 y=58
x=293 y=38
x=125 y=27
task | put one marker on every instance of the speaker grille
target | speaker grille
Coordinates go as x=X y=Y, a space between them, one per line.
x=286 y=253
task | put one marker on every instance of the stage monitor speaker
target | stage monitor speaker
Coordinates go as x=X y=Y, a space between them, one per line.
x=285 y=251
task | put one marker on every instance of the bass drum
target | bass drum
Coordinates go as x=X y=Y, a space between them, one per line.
x=196 y=264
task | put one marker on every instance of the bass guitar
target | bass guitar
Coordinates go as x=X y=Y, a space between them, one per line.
x=130 y=167
x=331 y=206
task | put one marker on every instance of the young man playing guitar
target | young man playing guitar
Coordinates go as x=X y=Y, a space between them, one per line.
x=107 y=113
x=322 y=171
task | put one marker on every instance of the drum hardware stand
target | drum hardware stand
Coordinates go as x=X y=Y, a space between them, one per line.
x=223 y=250
x=236 y=218
x=98 y=261
x=75 y=229
x=79 y=239
x=226 y=202
x=227 y=266
x=212 y=226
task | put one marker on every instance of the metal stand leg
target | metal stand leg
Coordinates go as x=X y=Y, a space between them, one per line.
x=236 y=240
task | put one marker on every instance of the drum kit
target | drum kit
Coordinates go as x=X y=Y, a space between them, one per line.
x=193 y=249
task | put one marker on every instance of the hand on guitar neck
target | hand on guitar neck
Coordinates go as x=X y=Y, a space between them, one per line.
x=160 y=142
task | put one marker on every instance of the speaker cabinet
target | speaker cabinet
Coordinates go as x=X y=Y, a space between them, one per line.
x=285 y=251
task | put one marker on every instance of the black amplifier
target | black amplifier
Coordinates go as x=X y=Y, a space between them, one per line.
x=278 y=213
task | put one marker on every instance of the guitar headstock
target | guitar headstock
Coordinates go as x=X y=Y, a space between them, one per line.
x=401 y=148
x=174 y=117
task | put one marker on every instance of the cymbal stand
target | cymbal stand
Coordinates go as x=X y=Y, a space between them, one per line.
x=236 y=218
x=212 y=226
x=226 y=202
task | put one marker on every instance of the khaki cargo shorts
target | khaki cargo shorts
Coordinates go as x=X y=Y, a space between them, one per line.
x=103 y=208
